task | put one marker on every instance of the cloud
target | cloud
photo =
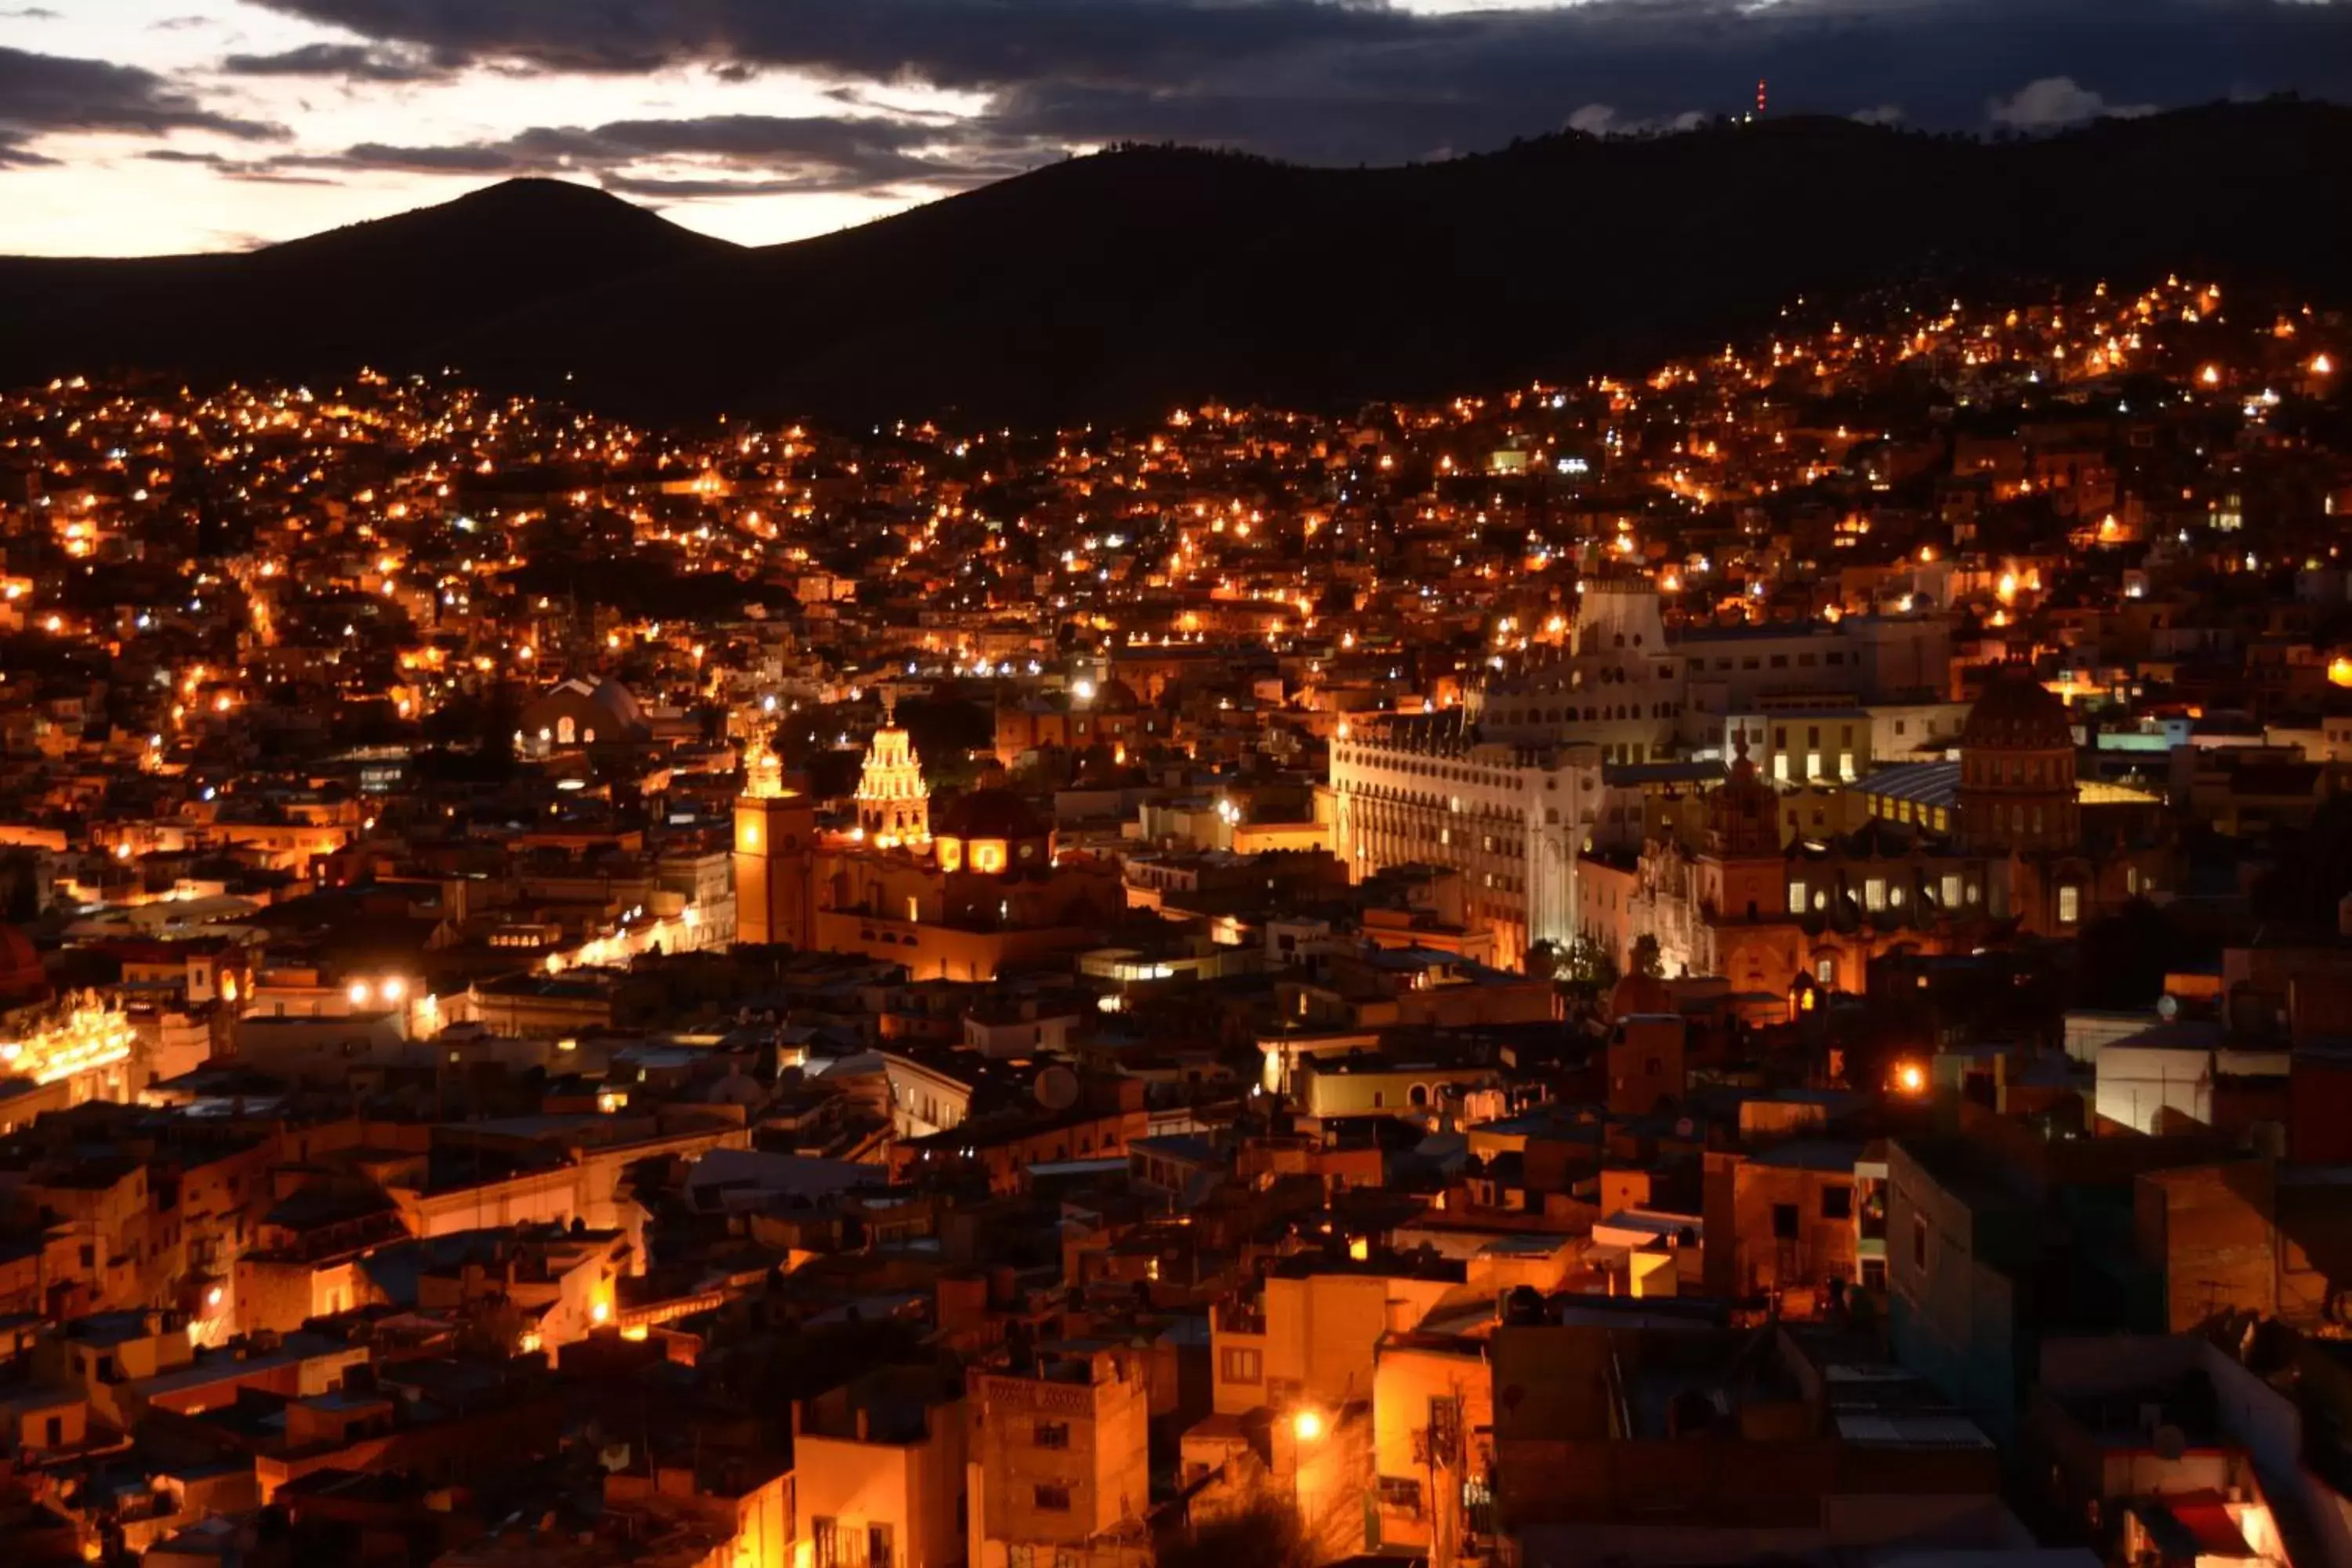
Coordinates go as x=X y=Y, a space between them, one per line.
x=467 y=159
x=1599 y=120
x=354 y=62
x=2055 y=102
x=1374 y=81
x=1880 y=114
x=259 y=171
x=684 y=159
x=46 y=95
x=948 y=43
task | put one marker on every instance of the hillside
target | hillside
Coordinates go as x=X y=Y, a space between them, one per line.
x=380 y=293
x=1125 y=283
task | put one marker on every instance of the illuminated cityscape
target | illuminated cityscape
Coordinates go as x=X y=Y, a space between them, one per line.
x=1739 y=962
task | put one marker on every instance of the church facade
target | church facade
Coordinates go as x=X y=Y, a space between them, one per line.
x=963 y=892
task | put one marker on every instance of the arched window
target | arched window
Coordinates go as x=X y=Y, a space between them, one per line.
x=563 y=731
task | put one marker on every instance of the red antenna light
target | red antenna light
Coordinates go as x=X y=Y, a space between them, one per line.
x=1759 y=98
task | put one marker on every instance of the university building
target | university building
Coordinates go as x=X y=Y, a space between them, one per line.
x=1518 y=782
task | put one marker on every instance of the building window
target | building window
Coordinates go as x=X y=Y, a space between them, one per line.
x=1837 y=1203
x=1052 y=1433
x=1053 y=1497
x=1784 y=1222
x=1874 y=893
x=1241 y=1365
x=828 y=1533
x=1874 y=1274
x=2070 y=904
x=1825 y=970
x=878 y=1546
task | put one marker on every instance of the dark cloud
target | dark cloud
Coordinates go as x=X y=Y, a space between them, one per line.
x=663 y=191
x=424 y=159
x=737 y=154
x=352 y=62
x=42 y=95
x=951 y=43
x=259 y=171
x=1327 y=81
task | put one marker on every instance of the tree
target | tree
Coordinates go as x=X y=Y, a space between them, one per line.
x=1588 y=964
x=1263 y=1534
x=1646 y=958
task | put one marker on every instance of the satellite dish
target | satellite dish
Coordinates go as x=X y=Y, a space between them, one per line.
x=2170 y=1442
x=2168 y=1007
x=1056 y=1088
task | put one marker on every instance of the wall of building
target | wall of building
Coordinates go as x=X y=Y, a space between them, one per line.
x=916 y=1488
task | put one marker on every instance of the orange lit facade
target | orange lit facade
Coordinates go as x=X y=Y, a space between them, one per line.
x=961 y=897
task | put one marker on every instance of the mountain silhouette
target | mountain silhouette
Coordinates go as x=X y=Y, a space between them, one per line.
x=1129 y=282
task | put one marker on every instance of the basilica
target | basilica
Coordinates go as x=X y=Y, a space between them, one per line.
x=960 y=888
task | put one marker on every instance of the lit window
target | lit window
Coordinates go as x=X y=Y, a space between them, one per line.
x=2070 y=904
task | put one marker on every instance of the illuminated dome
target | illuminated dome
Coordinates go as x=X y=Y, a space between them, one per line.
x=2016 y=769
x=991 y=831
x=1639 y=993
x=989 y=813
x=2016 y=713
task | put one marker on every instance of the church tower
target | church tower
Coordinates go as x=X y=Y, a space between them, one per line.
x=775 y=865
x=893 y=807
x=1741 y=871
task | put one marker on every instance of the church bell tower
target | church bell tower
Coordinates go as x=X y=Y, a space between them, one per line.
x=775 y=867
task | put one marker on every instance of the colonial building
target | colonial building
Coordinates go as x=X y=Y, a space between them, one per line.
x=957 y=895
x=893 y=806
x=1953 y=855
x=1522 y=779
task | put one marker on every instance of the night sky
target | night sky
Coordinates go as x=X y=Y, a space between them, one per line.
x=139 y=126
